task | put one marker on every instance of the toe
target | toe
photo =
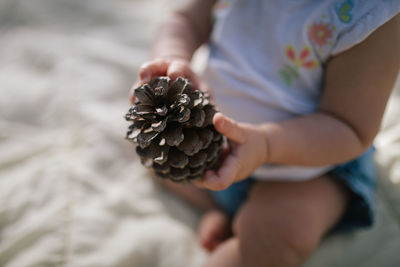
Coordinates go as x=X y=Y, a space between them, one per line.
x=214 y=228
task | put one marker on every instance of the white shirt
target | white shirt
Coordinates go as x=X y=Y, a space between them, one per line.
x=267 y=58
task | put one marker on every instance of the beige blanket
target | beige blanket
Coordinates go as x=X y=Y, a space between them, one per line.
x=72 y=192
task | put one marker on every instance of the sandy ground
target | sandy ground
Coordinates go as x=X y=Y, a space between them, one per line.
x=72 y=192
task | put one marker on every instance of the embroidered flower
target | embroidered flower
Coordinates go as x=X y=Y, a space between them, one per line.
x=288 y=71
x=301 y=60
x=319 y=33
x=344 y=10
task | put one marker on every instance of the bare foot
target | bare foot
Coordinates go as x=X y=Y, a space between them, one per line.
x=214 y=228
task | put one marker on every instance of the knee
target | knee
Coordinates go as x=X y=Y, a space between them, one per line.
x=300 y=243
x=273 y=242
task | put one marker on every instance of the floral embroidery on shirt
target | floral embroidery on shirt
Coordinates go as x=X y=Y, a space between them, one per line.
x=288 y=72
x=344 y=11
x=319 y=33
x=301 y=60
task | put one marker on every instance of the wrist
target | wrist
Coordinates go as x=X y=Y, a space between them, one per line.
x=172 y=57
x=171 y=53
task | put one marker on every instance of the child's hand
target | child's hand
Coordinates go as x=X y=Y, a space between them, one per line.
x=248 y=149
x=170 y=67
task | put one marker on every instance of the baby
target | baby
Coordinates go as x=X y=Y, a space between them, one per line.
x=302 y=87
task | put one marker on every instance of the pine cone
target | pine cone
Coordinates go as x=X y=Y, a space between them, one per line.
x=172 y=125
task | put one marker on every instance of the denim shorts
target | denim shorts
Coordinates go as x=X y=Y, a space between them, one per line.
x=358 y=176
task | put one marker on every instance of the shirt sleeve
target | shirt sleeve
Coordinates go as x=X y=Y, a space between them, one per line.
x=358 y=19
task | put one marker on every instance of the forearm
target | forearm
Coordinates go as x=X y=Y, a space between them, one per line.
x=184 y=31
x=314 y=140
x=175 y=40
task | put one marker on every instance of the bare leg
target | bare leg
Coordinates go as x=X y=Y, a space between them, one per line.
x=281 y=223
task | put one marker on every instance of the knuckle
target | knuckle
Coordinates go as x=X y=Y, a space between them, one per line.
x=181 y=62
x=144 y=67
x=152 y=64
x=177 y=68
x=180 y=66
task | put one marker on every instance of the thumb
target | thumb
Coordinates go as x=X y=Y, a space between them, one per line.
x=230 y=128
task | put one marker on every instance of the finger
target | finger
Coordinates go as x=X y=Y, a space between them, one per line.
x=182 y=69
x=230 y=128
x=224 y=153
x=211 y=182
x=228 y=171
x=179 y=68
x=224 y=177
x=198 y=183
x=153 y=68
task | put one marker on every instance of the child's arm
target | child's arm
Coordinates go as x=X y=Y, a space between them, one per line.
x=358 y=83
x=178 y=38
x=185 y=30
